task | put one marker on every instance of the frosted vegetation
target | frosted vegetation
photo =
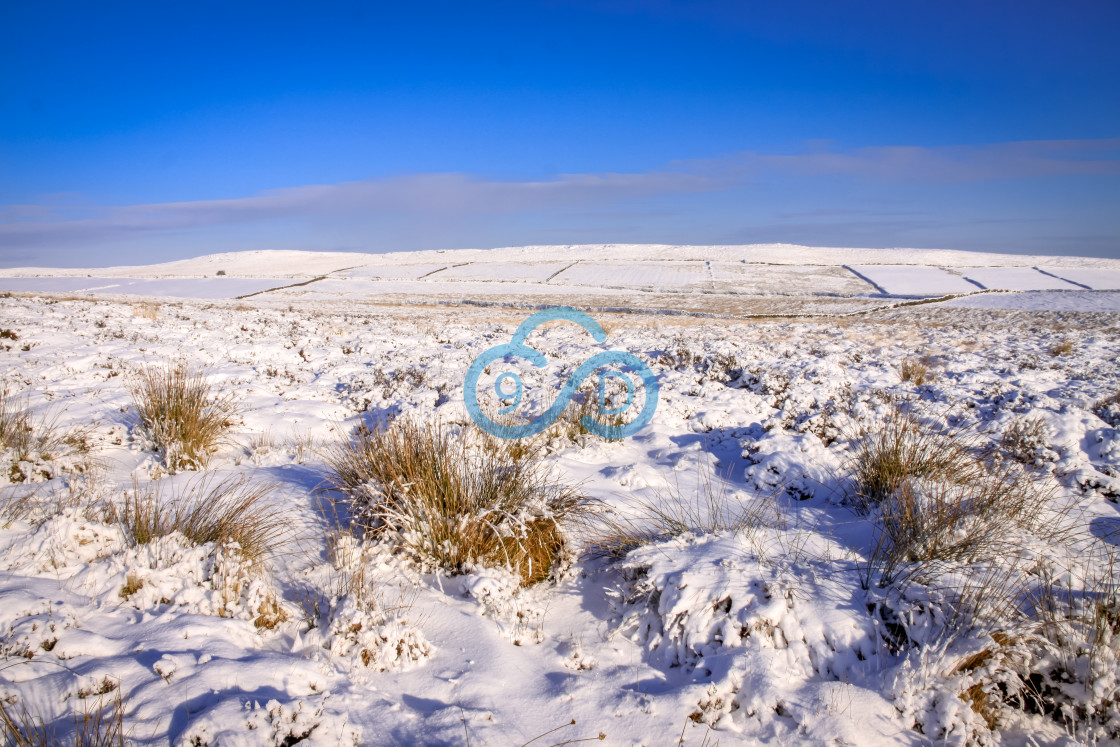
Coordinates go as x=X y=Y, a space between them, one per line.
x=274 y=523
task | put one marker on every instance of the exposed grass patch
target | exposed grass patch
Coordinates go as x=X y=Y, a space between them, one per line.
x=132 y=584
x=181 y=414
x=233 y=510
x=900 y=449
x=451 y=503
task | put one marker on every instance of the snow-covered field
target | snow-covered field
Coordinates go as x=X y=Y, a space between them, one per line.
x=776 y=621
x=732 y=281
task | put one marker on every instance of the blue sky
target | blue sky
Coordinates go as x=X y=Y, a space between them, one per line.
x=137 y=132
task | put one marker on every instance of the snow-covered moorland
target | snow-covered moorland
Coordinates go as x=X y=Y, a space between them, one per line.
x=895 y=527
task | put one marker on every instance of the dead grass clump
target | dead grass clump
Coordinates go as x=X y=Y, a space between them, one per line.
x=451 y=503
x=917 y=371
x=894 y=452
x=939 y=522
x=1061 y=349
x=132 y=584
x=146 y=310
x=233 y=510
x=99 y=724
x=715 y=510
x=15 y=421
x=182 y=416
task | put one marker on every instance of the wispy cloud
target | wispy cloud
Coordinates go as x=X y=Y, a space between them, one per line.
x=433 y=203
x=920 y=164
x=432 y=195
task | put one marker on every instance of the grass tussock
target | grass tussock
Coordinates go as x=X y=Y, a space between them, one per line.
x=99 y=724
x=233 y=510
x=901 y=449
x=181 y=414
x=452 y=503
x=716 y=509
x=940 y=495
x=917 y=371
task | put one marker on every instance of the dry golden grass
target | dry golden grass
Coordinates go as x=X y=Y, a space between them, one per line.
x=146 y=310
x=206 y=509
x=450 y=502
x=916 y=371
x=184 y=418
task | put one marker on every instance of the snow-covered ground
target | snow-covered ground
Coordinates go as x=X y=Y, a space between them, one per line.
x=764 y=635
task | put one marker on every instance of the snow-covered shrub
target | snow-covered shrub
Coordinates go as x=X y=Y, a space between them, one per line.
x=303 y=721
x=501 y=597
x=1108 y=409
x=381 y=641
x=1076 y=672
x=347 y=616
x=209 y=579
x=953 y=691
x=451 y=504
x=762 y=636
x=798 y=464
x=33 y=450
x=1027 y=439
x=180 y=415
x=679 y=354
